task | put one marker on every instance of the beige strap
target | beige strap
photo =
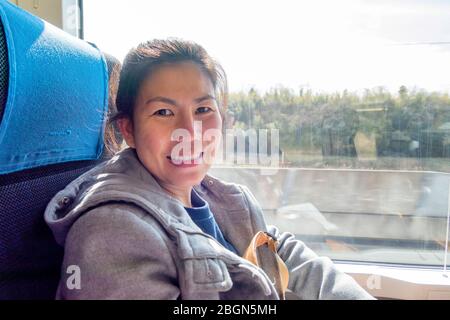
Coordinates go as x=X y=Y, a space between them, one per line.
x=264 y=238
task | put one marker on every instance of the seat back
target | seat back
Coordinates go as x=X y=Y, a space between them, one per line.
x=54 y=92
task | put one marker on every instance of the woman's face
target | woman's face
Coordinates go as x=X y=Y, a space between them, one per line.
x=175 y=106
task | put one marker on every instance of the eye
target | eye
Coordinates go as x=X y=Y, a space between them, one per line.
x=203 y=110
x=163 y=113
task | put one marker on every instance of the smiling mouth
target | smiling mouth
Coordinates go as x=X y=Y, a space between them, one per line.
x=186 y=160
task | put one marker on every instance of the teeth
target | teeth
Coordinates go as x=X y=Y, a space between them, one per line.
x=184 y=159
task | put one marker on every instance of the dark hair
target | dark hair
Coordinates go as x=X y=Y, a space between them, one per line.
x=112 y=137
x=141 y=61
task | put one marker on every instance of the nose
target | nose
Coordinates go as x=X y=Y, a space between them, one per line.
x=190 y=134
x=192 y=126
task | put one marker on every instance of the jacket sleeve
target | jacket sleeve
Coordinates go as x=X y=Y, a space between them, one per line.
x=117 y=255
x=314 y=277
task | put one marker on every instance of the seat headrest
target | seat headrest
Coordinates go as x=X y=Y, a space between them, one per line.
x=57 y=94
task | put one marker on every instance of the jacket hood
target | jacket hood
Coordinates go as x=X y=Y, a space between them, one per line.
x=124 y=171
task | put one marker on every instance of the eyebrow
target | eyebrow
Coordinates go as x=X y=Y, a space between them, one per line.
x=174 y=103
x=162 y=99
x=205 y=97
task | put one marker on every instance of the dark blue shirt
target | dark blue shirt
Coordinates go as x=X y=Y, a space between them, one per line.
x=204 y=219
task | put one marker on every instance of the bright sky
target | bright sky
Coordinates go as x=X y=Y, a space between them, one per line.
x=324 y=45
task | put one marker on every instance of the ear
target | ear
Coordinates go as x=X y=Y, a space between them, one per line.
x=126 y=129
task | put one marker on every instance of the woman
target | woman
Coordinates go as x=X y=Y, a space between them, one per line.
x=151 y=224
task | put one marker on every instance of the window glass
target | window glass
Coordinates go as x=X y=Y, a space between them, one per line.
x=338 y=118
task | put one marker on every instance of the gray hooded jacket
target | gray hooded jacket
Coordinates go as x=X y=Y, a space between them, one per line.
x=125 y=238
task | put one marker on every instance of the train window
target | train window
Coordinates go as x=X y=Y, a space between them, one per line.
x=338 y=116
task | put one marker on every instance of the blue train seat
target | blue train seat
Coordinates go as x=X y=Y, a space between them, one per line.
x=55 y=94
